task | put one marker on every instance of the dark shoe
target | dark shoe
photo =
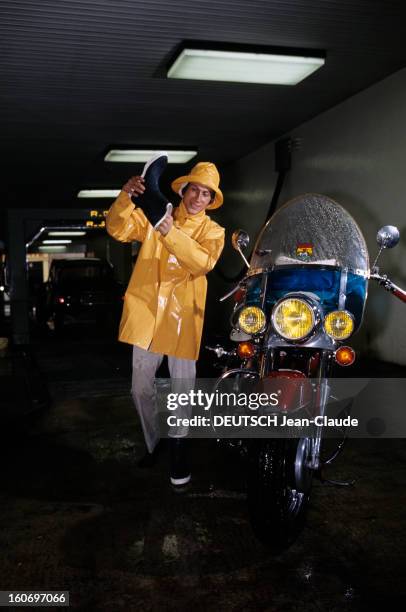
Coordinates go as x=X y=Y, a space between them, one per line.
x=148 y=460
x=153 y=203
x=179 y=462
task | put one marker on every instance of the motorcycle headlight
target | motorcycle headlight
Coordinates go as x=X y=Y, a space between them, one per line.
x=339 y=324
x=251 y=320
x=293 y=318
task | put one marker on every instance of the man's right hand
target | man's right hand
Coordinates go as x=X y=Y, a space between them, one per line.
x=135 y=186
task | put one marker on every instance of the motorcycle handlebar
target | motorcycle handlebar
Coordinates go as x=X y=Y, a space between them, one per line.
x=399 y=293
x=387 y=284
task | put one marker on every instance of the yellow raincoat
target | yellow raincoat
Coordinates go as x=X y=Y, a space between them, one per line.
x=165 y=298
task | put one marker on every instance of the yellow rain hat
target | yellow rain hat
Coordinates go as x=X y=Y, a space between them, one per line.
x=204 y=173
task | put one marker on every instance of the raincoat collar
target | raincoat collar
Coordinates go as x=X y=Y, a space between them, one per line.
x=181 y=214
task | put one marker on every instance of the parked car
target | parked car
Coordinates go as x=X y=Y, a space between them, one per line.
x=79 y=289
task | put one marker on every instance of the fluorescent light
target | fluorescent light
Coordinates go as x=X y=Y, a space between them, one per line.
x=243 y=67
x=56 y=241
x=55 y=233
x=98 y=193
x=143 y=155
x=52 y=249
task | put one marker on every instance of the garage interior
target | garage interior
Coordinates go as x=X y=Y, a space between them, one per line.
x=81 y=78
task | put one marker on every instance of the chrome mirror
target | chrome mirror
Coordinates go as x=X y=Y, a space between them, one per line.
x=240 y=240
x=388 y=237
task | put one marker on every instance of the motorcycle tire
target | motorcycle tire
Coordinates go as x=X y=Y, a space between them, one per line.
x=278 y=490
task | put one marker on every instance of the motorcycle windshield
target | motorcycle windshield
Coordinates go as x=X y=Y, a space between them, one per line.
x=311 y=230
x=313 y=245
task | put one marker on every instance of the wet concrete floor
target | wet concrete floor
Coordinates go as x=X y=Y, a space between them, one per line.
x=77 y=514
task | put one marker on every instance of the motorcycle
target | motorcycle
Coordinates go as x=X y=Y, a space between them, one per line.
x=301 y=299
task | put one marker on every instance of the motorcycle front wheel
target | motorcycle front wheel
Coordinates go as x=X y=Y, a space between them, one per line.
x=278 y=489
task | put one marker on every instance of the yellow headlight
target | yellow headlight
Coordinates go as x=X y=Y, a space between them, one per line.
x=339 y=324
x=251 y=320
x=293 y=319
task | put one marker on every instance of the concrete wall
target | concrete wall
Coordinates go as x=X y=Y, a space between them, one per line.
x=356 y=154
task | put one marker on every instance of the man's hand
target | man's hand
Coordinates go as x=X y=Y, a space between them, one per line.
x=135 y=186
x=166 y=224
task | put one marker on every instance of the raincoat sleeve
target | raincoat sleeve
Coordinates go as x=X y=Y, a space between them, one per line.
x=198 y=258
x=124 y=222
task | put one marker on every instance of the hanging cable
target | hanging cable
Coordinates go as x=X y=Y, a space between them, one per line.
x=283 y=161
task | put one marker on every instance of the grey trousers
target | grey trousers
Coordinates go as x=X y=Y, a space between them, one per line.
x=143 y=390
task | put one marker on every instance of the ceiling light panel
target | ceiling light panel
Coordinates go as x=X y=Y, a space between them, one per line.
x=143 y=155
x=56 y=241
x=243 y=67
x=98 y=193
x=52 y=248
x=66 y=233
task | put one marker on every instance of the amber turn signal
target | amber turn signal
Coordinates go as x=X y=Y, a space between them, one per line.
x=245 y=350
x=344 y=356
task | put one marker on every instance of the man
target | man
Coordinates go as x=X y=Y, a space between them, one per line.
x=165 y=298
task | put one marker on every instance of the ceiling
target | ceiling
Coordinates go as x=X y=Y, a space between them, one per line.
x=80 y=75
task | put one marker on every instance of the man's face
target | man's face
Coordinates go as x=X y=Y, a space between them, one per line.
x=196 y=198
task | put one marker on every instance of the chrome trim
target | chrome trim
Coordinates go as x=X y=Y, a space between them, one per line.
x=301 y=264
x=235 y=371
x=324 y=395
x=303 y=473
x=238 y=336
x=342 y=295
x=318 y=340
x=264 y=288
x=229 y=294
x=255 y=271
x=234 y=315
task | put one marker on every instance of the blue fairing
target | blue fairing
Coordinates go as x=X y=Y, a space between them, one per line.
x=324 y=282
